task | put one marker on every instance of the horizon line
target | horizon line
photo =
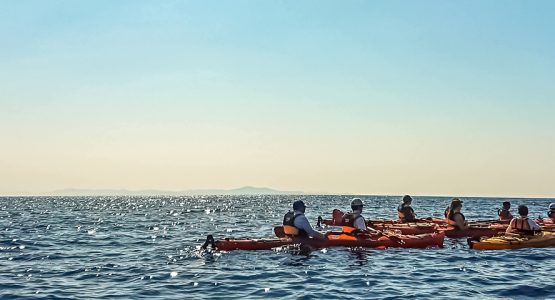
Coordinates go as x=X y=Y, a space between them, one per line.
x=280 y=193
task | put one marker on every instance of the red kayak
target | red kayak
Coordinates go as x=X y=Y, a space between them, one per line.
x=486 y=228
x=473 y=231
x=333 y=240
x=482 y=223
x=413 y=228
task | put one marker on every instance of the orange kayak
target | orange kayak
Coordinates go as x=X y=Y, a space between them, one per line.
x=541 y=240
x=333 y=240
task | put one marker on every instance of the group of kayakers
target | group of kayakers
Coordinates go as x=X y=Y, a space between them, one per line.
x=295 y=222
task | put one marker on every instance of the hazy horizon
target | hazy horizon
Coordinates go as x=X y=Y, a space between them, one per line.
x=374 y=98
x=233 y=191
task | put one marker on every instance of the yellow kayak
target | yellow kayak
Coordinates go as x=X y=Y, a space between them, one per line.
x=540 y=240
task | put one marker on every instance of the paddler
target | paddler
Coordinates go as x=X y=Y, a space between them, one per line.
x=504 y=212
x=295 y=223
x=405 y=211
x=523 y=224
x=551 y=212
x=354 y=220
x=453 y=215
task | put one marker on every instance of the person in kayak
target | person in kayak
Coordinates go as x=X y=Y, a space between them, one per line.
x=354 y=220
x=405 y=211
x=523 y=224
x=453 y=215
x=551 y=212
x=295 y=223
x=504 y=213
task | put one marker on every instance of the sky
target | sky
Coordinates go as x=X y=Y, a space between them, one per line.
x=451 y=98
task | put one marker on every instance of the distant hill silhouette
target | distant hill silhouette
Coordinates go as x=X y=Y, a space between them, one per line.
x=247 y=190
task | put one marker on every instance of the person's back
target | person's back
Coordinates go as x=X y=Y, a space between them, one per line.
x=405 y=211
x=551 y=212
x=523 y=224
x=289 y=227
x=295 y=223
x=504 y=213
x=354 y=220
x=453 y=215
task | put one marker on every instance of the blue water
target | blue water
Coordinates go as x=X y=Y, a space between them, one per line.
x=147 y=248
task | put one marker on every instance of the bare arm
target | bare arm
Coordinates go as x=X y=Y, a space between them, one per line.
x=510 y=228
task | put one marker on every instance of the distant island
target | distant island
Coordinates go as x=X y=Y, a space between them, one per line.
x=247 y=190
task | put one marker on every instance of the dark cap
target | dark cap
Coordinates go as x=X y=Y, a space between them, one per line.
x=456 y=200
x=506 y=204
x=407 y=199
x=298 y=205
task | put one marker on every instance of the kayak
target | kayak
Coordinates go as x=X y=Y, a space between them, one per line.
x=405 y=228
x=441 y=221
x=487 y=228
x=541 y=240
x=412 y=228
x=333 y=239
x=473 y=231
x=337 y=216
x=546 y=224
x=245 y=244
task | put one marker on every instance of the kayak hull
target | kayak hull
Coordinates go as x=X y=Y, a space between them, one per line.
x=545 y=239
x=259 y=244
x=455 y=233
x=339 y=240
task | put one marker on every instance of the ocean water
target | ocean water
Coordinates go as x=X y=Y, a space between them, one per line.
x=148 y=248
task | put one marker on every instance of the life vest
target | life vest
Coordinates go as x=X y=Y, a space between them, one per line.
x=450 y=219
x=504 y=214
x=521 y=225
x=348 y=222
x=289 y=225
x=405 y=213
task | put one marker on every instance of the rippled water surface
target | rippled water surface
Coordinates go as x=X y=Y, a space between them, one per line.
x=146 y=247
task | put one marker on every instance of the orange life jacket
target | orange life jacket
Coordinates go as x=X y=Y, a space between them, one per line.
x=348 y=222
x=289 y=225
x=521 y=225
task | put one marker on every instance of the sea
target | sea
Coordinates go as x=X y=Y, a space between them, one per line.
x=149 y=248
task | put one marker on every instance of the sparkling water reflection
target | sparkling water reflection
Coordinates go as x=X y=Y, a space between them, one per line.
x=148 y=247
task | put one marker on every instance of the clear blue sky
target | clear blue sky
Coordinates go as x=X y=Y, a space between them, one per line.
x=390 y=97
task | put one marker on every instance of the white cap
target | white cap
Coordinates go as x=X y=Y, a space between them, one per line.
x=356 y=202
